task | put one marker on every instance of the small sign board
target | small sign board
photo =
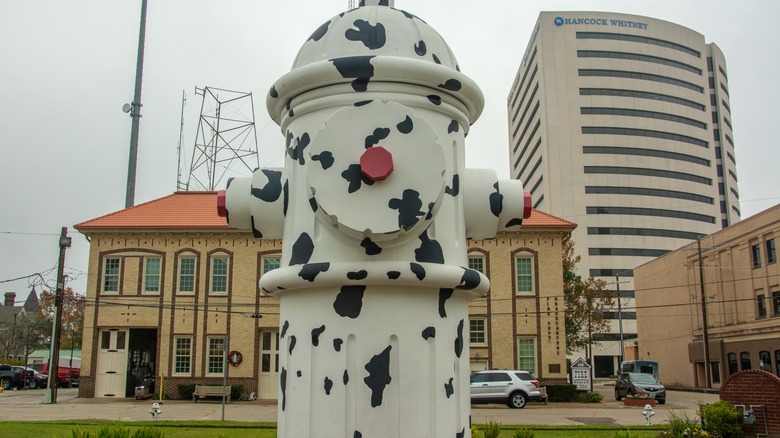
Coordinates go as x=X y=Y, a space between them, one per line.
x=580 y=374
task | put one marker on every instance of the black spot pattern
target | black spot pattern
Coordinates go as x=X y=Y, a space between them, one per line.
x=449 y=389
x=357 y=275
x=461 y=434
x=272 y=189
x=420 y=48
x=349 y=301
x=363 y=102
x=469 y=280
x=370 y=247
x=436 y=100
x=299 y=373
x=408 y=207
x=309 y=271
x=313 y=204
x=283 y=386
x=451 y=84
x=296 y=153
x=289 y=139
x=453 y=127
x=417 y=270
x=435 y=58
x=444 y=295
x=286 y=192
x=291 y=113
x=328 y=386
x=459 y=340
x=496 y=201
x=379 y=134
x=358 y=67
x=291 y=346
x=429 y=251
x=255 y=232
x=302 y=250
x=393 y=275
x=378 y=375
x=285 y=327
x=372 y=36
x=320 y=32
x=514 y=222
x=325 y=159
x=406 y=126
x=357 y=435
x=430 y=211
x=355 y=178
x=345 y=377
x=337 y=344
x=429 y=332
x=273 y=92
x=453 y=190
x=315 y=335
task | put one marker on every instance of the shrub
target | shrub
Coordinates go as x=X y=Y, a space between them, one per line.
x=722 y=419
x=148 y=432
x=561 y=393
x=185 y=391
x=524 y=433
x=680 y=425
x=590 y=397
x=492 y=429
x=237 y=392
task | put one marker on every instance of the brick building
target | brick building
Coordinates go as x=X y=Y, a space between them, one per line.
x=171 y=288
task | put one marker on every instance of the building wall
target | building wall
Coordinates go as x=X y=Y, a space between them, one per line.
x=620 y=123
x=669 y=304
x=204 y=314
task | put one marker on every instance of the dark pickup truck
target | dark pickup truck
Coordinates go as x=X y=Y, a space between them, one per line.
x=11 y=378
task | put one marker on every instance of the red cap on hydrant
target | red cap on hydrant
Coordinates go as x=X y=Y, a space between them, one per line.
x=376 y=163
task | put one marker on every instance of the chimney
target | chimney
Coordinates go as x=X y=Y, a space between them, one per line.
x=10 y=299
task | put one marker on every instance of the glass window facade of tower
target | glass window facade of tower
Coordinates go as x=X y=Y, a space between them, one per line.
x=622 y=124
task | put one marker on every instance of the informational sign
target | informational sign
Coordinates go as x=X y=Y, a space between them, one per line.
x=580 y=375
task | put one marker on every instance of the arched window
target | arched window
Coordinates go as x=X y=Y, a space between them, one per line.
x=765 y=361
x=744 y=359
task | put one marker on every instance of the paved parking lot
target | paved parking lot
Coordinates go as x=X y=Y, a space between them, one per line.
x=27 y=405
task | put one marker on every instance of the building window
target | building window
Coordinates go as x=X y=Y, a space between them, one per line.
x=765 y=361
x=219 y=274
x=732 y=363
x=526 y=354
x=477 y=331
x=111 y=271
x=524 y=275
x=744 y=360
x=182 y=355
x=776 y=303
x=477 y=263
x=715 y=371
x=761 y=299
x=152 y=274
x=186 y=282
x=216 y=356
x=771 y=253
x=777 y=363
x=270 y=263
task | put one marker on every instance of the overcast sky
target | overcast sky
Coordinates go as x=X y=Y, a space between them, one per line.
x=69 y=66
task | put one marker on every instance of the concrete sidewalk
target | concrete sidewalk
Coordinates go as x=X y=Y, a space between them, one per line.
x=28 y=406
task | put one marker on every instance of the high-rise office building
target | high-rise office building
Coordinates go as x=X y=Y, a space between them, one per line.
x=622 y=124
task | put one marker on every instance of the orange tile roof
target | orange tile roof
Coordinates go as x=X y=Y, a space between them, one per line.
x=199 y=210
x=178 y=210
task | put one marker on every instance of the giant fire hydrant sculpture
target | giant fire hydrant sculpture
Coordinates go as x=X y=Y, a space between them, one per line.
x=374 y=207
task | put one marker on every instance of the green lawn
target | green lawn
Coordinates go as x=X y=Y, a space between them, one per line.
x=231 y=429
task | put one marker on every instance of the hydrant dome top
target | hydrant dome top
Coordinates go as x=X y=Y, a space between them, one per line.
x=376 y=31
x=375 y=44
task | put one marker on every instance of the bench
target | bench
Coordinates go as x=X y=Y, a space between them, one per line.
x=203 y=391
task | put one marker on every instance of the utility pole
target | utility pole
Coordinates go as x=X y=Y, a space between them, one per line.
x=620 y=320
x=707 y=376
x=54 y=353
x=134 y=108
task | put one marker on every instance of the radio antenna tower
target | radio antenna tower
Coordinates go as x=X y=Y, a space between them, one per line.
x=226 y=140
x=182 y=160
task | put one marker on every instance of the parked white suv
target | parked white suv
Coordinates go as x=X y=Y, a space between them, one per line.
x=513 y=387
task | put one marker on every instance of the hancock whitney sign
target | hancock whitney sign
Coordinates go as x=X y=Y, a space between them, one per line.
x=562 y=21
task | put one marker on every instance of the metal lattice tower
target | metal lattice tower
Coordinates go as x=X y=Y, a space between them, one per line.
x=226 y=140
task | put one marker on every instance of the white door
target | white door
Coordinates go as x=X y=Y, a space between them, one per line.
x=111 y=375
x=269 y=364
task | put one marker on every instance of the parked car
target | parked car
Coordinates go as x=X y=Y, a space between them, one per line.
x=35 y=379
x=11 y=378
x=513 y=387
x=639 y=383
